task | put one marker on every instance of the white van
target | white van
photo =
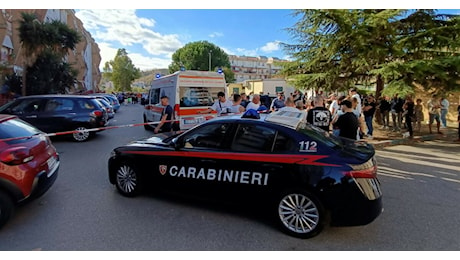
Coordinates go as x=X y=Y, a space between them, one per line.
x=189 y=92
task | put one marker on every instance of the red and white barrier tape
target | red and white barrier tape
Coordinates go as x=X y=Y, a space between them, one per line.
x=82 y=131
x=101 y=128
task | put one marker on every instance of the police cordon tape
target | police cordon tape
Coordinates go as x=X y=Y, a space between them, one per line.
x=83 y=131
x=103 y=128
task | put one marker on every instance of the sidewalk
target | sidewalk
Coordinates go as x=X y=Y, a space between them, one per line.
x=384 y=138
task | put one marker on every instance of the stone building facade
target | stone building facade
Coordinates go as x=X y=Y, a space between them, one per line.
x=85 y=58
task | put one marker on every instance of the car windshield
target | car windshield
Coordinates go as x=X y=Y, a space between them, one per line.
x=319 y=134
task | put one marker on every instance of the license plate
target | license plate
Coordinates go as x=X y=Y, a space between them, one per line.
x=52 y=164
x=190 y=121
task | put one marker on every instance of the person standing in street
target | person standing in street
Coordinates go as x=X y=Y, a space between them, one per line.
x=385 y=107
x=166 y=117
x=444 y=110
x=347 y=122
x=319 y=116
x=255 y=103
x=434 y=110
x=278 y=102
x=221 y=105
x=368 y=111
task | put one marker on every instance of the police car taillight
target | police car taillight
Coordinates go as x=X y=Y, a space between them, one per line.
x=365 y=173
x=365 y=170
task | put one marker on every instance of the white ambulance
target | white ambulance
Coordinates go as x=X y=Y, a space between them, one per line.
x=188 y=91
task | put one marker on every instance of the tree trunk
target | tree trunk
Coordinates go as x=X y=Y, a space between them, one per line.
x=24 y=76
x=378 y=91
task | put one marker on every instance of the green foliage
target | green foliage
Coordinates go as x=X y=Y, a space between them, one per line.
x=45 y=45
x=121 y=71
x=229 y=75
x=339 y=48
x=49 y=75
x=195 y=56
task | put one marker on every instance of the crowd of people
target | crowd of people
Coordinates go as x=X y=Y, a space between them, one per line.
x=351 y=115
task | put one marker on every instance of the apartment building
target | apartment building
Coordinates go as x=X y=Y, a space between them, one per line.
x=254 y=68
x=85 y=58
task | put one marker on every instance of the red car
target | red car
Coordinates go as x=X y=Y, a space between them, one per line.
x=28 y=166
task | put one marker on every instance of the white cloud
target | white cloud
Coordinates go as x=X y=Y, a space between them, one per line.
x=271 y=47
x=123 y=28
x=216 y=34
x=245 y=52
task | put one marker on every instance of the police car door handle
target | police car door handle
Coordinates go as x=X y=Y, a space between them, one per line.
x=32 y=116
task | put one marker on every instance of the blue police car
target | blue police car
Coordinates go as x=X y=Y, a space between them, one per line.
x=306 y=177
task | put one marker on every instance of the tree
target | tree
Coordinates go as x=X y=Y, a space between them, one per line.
x=200 y=55
x=48 y=41
x=50 y=75
x=121 y=71
x=340 y=48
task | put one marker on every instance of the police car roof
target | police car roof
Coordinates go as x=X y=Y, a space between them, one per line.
x=289 y=119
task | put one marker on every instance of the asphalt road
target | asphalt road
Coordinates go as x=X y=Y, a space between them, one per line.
x=83 y=211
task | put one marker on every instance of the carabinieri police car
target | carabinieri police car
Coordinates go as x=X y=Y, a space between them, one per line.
x=306 y=176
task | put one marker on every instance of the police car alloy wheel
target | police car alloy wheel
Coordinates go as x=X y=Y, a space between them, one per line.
x=300 y=214
x=81 y=136
x=6 y=208
x=127 y=180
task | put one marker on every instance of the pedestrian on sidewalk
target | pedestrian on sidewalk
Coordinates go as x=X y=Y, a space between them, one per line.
x=419 y=117
x=434 y=110
x=396 y=112
x=409 y=114
x=444 y=110
x=458 y=119
x=347 y=122
x=385 y=107
x=368 y=111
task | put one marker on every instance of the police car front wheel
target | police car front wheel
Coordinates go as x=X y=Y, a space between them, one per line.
x=127 y=180
x=300 y=214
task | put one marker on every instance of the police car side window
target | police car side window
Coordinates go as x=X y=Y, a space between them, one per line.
x=283 y=144
x=209 y=136
x=253 y=138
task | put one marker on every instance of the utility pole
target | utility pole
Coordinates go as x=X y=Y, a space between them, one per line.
x=210 y=52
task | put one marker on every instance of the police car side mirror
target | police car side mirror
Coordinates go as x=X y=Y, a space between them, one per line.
x=176 y=143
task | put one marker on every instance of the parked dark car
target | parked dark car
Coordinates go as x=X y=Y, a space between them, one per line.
x=106 y=104
x=59 y=113
x=113 y=100
x=28 y=166
x=304 y=176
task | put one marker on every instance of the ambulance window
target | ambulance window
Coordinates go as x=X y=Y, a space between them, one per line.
x=155 y=96
x=253 y=138
x=196 y=96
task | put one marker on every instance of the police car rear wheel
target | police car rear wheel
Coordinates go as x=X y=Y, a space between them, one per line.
x=127 y=180
x=300 y=214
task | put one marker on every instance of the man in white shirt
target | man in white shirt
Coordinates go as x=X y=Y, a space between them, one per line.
x=353 y=93
x=255 y=103
x=334 y=106
x=444 y=111
x=221 y=106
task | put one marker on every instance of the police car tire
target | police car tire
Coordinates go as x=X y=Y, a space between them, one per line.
x=293 y=203
x=6 y=208
x=128 y=180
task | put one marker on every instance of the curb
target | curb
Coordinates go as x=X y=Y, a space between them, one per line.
x=386 y=143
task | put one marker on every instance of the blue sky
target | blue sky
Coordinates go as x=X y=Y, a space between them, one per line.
x=156 y=29
x=151 y=36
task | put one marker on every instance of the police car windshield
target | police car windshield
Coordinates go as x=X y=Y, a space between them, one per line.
x=319 y=134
